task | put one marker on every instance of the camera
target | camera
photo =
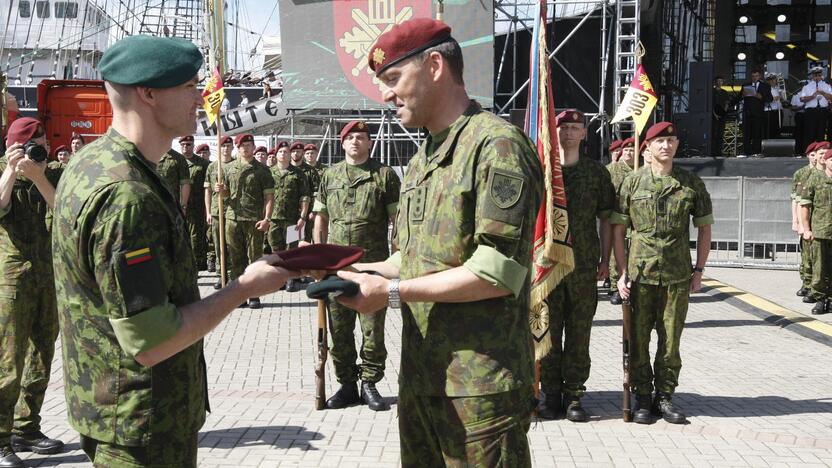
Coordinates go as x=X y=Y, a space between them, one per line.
x=35 y=152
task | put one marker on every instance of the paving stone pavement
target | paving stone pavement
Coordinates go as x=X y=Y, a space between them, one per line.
x=756 y=395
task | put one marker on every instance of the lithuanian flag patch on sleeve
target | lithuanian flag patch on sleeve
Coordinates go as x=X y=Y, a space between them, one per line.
x=138 y=256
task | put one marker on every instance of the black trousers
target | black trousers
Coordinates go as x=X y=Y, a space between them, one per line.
x=773 y=127
x=814 y=124
x=718 y=126
x=799 y=130
x=753 y=128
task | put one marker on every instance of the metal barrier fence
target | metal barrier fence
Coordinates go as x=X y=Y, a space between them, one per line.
x=753 y=223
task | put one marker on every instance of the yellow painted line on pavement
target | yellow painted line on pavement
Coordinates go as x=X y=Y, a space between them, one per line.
x=763 y=304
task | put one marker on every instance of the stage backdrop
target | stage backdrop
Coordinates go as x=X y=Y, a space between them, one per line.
x=325 y=45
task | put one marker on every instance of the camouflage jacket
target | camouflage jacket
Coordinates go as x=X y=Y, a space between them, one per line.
x=247 y=185
x=313 y=178
x=359 y=200
x=817 y=193
x=123 y=265
x=469 y=198
x=799 y=179
x=210 y=180
x=589 y=195
x=197 y=167
x=659 y=210
x=289 y=192
x=173 y=169
x=25 y=244
x=618 y=172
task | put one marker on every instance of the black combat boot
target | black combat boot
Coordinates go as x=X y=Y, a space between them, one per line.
x=642 y=413
x=809 y=298
x=218 y=284
x=8 y=459
x=606 y=284
x=345 y=396
x=616 y=299
x=663 y=406
x=549 y=406
x=292 y=286
x=254 y=303
x=822 y=307
x=36 y=442
x=574 y=411
x=212 y=265
x=803 y=291
x=370 y=395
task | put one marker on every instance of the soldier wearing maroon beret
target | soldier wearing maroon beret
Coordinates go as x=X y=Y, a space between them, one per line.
x=461 y=277
x=615 y=150
x=195 y=212
x=76 y=143
x=621 y=165
x=313 y=170
x=260 y=154
x=212 y=214
x=658 y=203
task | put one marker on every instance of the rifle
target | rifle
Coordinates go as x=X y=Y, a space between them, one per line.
x=323 y=349
x=627 y=413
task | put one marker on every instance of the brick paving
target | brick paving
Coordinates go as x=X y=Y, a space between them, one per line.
x=756 y=395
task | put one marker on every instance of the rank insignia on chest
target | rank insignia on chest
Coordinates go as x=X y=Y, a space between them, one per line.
x=138 y=256
x=417 y=205
x=350 y=199
x=505 y=188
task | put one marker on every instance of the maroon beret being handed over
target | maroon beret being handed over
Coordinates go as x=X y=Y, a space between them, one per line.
x=22 y=130
x=354 y=126
x=320 y=257
x=242 y=138
x=570 y=116
x=405 y=40
x=661 y=129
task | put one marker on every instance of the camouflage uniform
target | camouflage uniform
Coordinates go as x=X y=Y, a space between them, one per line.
x=210 y=180
x=469 y=198
x=359 y=201
x=173 y=169
x=798 y=182
x=817 y=194
x=618 y=172
x=290 y=191
x=28 y=315
x=658 y=209
x=197 y=227
x=248 y=184
x=313 y=182
x=123 y=265
x=572 y=304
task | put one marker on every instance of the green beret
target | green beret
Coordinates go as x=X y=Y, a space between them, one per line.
x=331 y=285
x=154 y=62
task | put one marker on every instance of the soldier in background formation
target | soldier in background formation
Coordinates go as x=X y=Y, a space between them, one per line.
x=355 y=205
x=62 y=155
x=816 y=218
x=76 y=143
x=204 y=151
x=173 y=169
x=291 y=202
x=572 y=304
x=212 y=212
x=798 y=182
x=28 y=313
x=657 y=203
x=618 y=170
x=261 y=153
x=195 y=208
x=314 y=172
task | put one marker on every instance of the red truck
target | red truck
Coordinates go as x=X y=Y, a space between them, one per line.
x=73 y=106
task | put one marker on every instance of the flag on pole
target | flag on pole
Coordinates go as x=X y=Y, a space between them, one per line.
x=212 y=96
x=639 y=101
x=552 y=250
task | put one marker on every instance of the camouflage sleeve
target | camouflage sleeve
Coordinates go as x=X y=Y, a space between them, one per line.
x=703 y=212
x=621 y=215
x=505 y=187
x=209 y=175
x=795 y=185
x=396 y=259
x=129 y=260
x=606 y=202
x=8 y=208
x=807 y=193
x=320 y=200
x=392 y=191
x=183 y=171
x=266 y=181
x=305 y=188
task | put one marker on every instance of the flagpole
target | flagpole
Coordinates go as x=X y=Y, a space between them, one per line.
x=217 y=59
x=637 y=137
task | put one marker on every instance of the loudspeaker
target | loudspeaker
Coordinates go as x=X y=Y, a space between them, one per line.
x=694 y=132
x=778 y=148
x=701 y=87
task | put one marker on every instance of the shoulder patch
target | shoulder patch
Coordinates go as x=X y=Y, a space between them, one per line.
x=505 y=188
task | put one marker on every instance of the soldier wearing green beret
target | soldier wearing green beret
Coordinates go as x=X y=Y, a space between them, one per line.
x=816 y=216
x=131 y=316
x=195 y=212
x=212 y=205
x=28 y=314
x=468 y=206
x=355 y=204
x=572 y=304
x=657 y=203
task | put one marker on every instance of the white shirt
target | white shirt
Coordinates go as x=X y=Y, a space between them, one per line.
x=225 y=105
x=776 y=104
x=797 y=104
x=810 y=89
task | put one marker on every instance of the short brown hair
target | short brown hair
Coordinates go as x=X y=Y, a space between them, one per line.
x=451 y=52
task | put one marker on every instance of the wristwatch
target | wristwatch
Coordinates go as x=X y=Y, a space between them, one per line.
x=393 y=299
x=700 y=270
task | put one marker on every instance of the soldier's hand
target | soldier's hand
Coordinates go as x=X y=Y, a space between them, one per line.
x=372 y=294
x=311 y=216
x=696 y=282
x=30 y=169
x=263 y=277
x=808 y=235
x=624 y=287
x=14 y=154
x=262 y=225
x=219 y=187
x=209 y=219
x=796 y=227
x=299 y=225
x=603 y=271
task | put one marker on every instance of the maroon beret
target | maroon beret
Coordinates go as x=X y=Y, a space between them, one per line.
x=320 y=257
x=631 y=142
x=261 y=148
x=811 y=147
x=225 y=139
x=643 y=146
x=661 y=129
x=295 y=146
x=282 y=144
x=186 y=139
x=310 y=147
x=22 y=130
x=61 y=148
x=615 y=145
x=822 y=145
x=354 y=126
x=201 y=148
x=405 y=40
x=242 y=138
x=272 y=151
x=570 y=116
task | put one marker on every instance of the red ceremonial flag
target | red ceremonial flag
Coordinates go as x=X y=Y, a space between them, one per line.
x=552 y=254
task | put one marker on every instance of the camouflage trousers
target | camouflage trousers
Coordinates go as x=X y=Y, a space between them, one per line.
x=28 y=330
x=572 y=306
x=244 y=243
x=308 y=227
x=663 y=308
x=478 y=431
x=614 y=266
x=277 y=234
x=210 y=247
x=199 y=241
x=821 y=268
x=373 y=352
x=163 y=451
x=215 y=240
x=806 y=262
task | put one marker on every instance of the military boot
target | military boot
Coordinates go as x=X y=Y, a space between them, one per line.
x=822 y=307
x=803 y=291
x=254 y=303
x=616 y=299
x=574 y=411
x=291 y=286
x=606 y=284
x=663 y=406
x=370 y=395
x=549 y=405
x=212 y=265
x=345 y=396
x=809 y=298
x=8 y=459
x=218 y=284
x=642 y=415
x=36 y=442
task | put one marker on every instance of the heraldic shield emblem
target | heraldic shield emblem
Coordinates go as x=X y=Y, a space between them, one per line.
x=357 y=25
